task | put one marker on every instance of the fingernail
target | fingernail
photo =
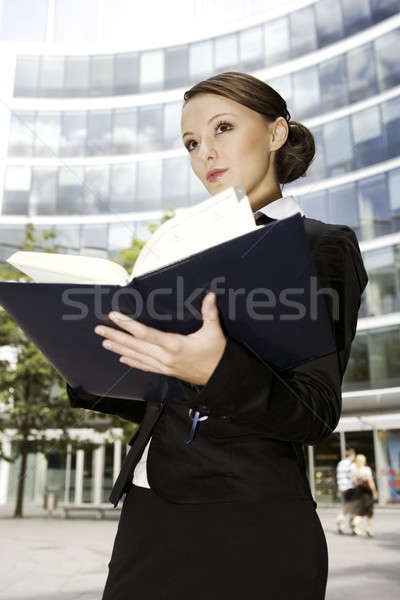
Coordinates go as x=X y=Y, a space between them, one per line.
x=99 y=330
x=115 y=316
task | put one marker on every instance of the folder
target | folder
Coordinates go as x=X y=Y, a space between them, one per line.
x=264 y=294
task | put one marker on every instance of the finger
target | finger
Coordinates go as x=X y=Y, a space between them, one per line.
x=168 y=341
x=149 y=362
x=129 y=340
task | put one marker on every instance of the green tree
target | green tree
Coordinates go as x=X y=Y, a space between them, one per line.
x=32 y=392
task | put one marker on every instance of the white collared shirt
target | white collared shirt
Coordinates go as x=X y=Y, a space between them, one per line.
x=280 y=208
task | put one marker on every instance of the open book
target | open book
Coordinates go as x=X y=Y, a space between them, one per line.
x=213 y=221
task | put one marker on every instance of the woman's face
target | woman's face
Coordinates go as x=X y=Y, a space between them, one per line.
x=239 y=140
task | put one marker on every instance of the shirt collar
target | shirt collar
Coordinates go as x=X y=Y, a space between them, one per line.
x=280 y=208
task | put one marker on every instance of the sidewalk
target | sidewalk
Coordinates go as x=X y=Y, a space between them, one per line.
x=67 y=559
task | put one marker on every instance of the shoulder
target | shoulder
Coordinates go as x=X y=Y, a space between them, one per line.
x=319 y=232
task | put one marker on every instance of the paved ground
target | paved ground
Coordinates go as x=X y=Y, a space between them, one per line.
x=56 y=559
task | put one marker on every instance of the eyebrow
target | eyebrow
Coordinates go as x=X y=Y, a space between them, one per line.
x=209 y=121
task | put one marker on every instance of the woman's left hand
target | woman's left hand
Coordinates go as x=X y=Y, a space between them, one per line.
x=191 y=357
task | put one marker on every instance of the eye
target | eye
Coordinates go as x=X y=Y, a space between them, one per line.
x=218 y=125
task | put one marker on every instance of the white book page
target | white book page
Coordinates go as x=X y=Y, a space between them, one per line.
x=51 y=267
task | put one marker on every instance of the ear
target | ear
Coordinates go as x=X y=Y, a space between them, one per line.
x=279 y=133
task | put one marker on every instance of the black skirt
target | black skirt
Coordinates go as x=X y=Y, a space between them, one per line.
x=359 y=501
x=169 y=551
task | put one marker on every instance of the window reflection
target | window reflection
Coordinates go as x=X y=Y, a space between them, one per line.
x=200 y=59
x=368 y=139
x=277 y=41
x=47 y=134
x=51 y=77
x=381 y=288
x=151 y=70
x=176 y=67
x=333 y=83
x=124 y=131
x=251 y=48
x=361 y=76
x=70 y=191
x=122 y=193
x=149 y=128
x=16 y=192
x=338 y=147
x=43 y=191
x=102 y=75
x=329 y=22
x=99 y=132
x=126 y=73
x=175 y=182
x=73 y=133
x=394 y=198
x=26 y=75
x=21 y=133
x=306 y=93
x=343 y=207
x=387 y=57
x=356 y=15
x=226 y=52
x=149 y=185
x=96 y=190
x=391 y=124
x=385 y=357
x=374 y=207
x=76 y=76
x=303 y=35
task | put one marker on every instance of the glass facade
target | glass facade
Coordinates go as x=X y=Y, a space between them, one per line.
x=296 y=34
x=65 y=159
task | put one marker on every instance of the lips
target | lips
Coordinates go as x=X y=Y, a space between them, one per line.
x=215 y=173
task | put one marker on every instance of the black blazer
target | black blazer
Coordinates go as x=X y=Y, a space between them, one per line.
x=251 y=444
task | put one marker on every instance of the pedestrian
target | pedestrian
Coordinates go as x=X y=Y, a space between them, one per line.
x=361 y=498
x=344 y=480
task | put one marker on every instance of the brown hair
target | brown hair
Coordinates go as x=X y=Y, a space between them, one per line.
x=296 y=154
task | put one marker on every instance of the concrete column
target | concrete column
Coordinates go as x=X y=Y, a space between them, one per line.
x=117 y=459
x=311 y=469
x=80 y=457
x=342 y=438
x=4 y=470
x=40 y=478
x=381 y=468
x=98 y=468
x=67 y=473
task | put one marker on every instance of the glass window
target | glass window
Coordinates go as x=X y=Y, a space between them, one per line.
x=197 y=191
x=394 y=197
x=142 y=229
x=374 y=207
x=149 y=185
x=329 y=22
x=356 y=15
x=96 y=190
x=175 y=182
x=315 y=206
x=338 y=147
x=385 y=357
x=284 y=86
x=357 y=370
x=75 y=21
x=73 y=133
x=306 y=93
x=391 y=125
x=22 y=128
x=200 y=60
x=361 y=74
x=99 y=132
x=150 y=127
x=382 y=9
x=119 y=237
x=388 y=67
x=381 y=288
x=124 y=131
x=47 y=134
x=70 y=190
x=251 y=44
x=101 y=75
x=368 y=139
x=16 y=191
x=123 y=186
x=68 y=237
x=176 y=66
x=343 y=206
x=226 y=51
x=24 y=20
x=316 y=170
x=126 y=73
x=51 y=78
x=172 y=125
x=277 y=41
x=43 y=191
x=76 y=75
x=26 y=75
x=151 y=70
x=94 y=235
x=303 y=31
x=333 y=81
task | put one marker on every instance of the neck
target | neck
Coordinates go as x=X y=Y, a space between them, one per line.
x=258 y=202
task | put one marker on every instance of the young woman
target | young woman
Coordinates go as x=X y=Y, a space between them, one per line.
x=361 y=497
x=231 y=514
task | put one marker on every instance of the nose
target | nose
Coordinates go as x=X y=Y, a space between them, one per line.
x=206 y=150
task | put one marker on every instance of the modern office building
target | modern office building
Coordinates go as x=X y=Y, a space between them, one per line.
x=90 y=143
